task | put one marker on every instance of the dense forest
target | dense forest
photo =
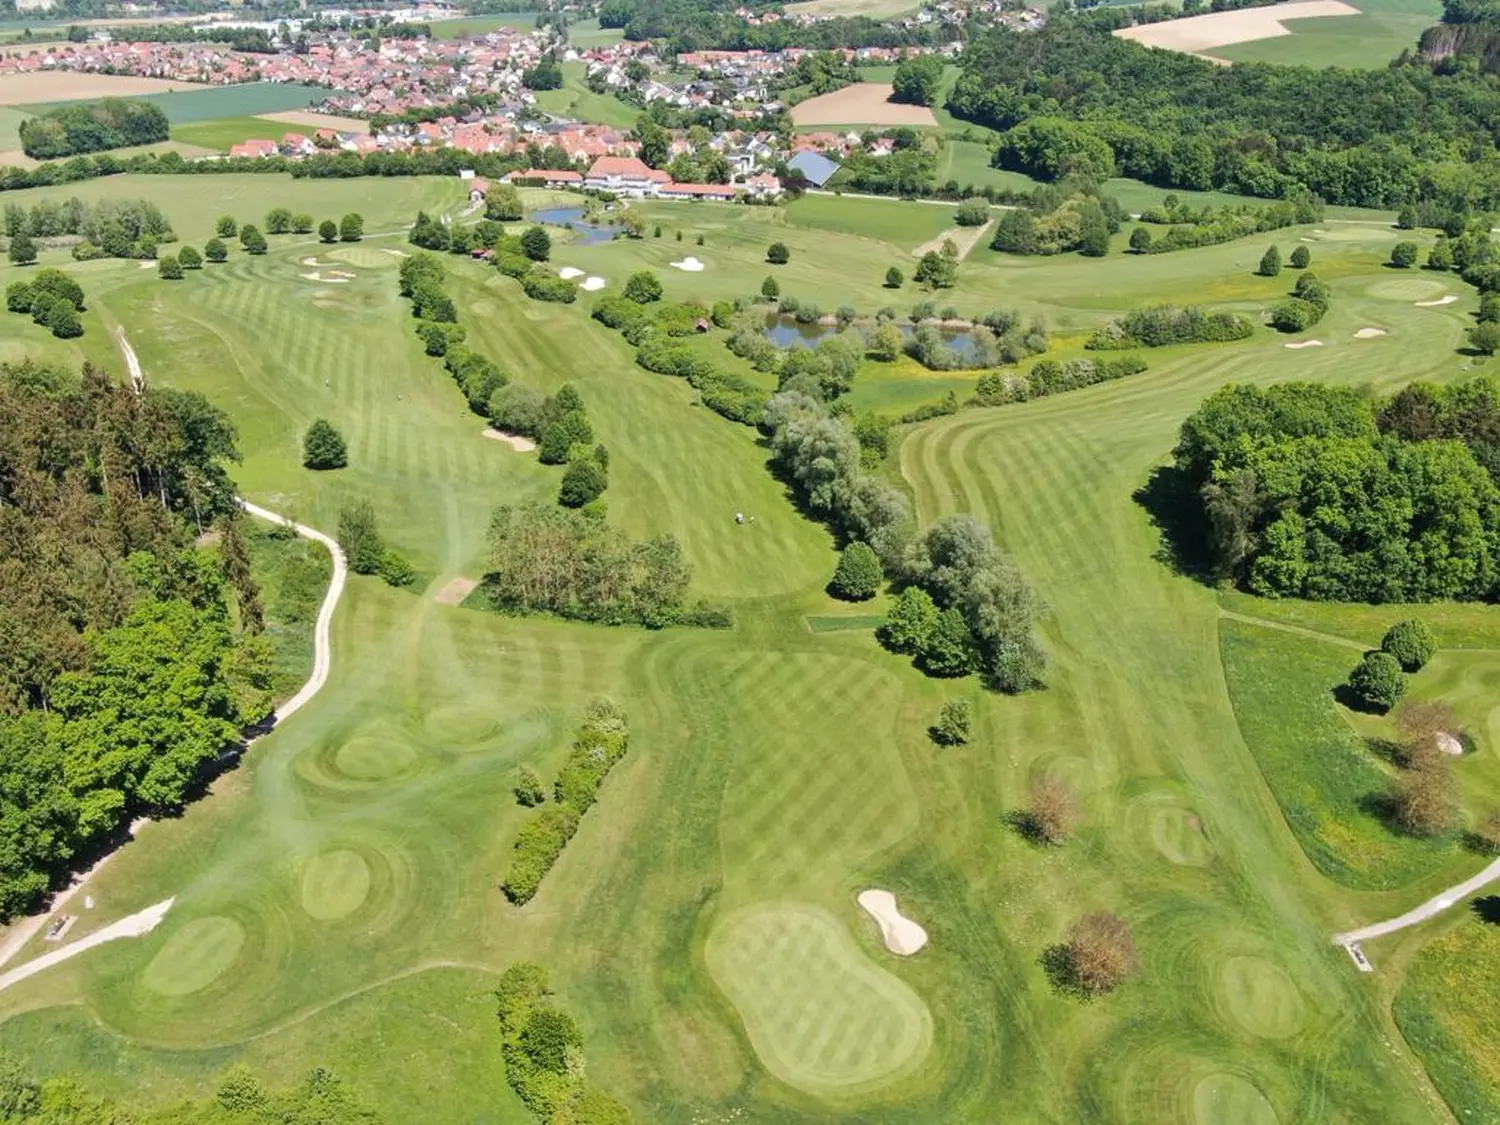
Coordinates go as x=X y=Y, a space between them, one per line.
x=92 y=127
x=125 y=671
x=1303 y=490
x=1072 y=99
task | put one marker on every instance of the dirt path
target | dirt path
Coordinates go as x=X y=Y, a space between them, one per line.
x=1351 y=939
x=965 y=238
x=1301 y=630
x=142 y=922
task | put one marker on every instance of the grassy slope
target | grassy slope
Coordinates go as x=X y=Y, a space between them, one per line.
x=220 y=134
x=1382 y=30
x=576 y=100
x=770 y=765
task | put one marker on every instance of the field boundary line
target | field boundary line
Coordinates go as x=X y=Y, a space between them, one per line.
x=1287 y=627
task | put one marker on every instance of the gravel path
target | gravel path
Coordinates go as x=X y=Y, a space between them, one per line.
x=1351 y=939
x=142 y=922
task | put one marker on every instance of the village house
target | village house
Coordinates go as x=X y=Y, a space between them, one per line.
x=624 y=175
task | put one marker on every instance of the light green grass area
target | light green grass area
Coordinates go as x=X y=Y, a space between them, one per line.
x=223 y=133
x=1370 y=40
x=208 y=103
x=482 y=25
x=576 y=100
x=10 y=128
x=587 y=33
x=887 y=219
x=335 y=897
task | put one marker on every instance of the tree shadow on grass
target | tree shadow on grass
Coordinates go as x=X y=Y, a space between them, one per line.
x=1024 y=824
x=1168 y=498
x=1487 y=909
x=1057 y=963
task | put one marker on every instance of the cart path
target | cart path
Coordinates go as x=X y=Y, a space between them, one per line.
x=1440 y=902
x=142 y=922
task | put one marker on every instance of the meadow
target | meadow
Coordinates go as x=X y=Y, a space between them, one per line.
x=186 y=103
x=1381 y=31
x=336 y=895
x=576 y=100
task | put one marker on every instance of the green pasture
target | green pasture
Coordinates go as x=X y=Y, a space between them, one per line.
x=222 y=134
x=587 y=33
x=336 y=896
x=481 y=25
x=1370 y=40
x=208 y=103
x=576 y=100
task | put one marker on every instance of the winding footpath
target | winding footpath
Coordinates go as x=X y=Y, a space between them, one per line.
x=1440 y=902
x=143 y=922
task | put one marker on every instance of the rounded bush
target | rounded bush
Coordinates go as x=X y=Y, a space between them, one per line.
x=1411 y=642
x=1377 y=682
x=858 y=575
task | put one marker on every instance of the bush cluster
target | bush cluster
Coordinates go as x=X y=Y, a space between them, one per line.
x=360 y=540
x=104 y=124
x=1304 y=308
x=52 y=299
x=600 y=742
x=1161 y=325
x=1057 y=218
x=1191 y=226
x=543 y=1051
x=109 y=228
x=1050 y=377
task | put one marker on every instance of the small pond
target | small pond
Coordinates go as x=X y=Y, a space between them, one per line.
x=584 y=233
x=785 y=332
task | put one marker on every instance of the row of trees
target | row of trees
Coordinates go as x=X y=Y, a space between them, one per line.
x=123 y=676
x=600 y=742
x=1208 y=226
x=281 y=220
x=108 y=228
x=1302 y=490
x=360 y=539
x=1160 y=325
x=92 y=127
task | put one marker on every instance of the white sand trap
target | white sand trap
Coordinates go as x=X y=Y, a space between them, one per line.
x=903 y=937
x=1448 y=300
x=1448 y=744
x=331 y=280
x=692 y=265
x=313 y=261
x=568 y=273
x=147 y=265
x=515 y=441
x=345 y=274
x=397 y=253
x=1369 y=333
x=592 y=284
x=1306 y=344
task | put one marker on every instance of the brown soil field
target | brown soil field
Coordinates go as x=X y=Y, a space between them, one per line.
x=864 y=103
x=317 y=120
x=1219 y=29
x=63 y=86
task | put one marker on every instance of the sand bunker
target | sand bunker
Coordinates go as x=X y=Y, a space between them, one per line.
x=313 y=261
x=1448 y=744
x=592 y=284
x=568 y=273
x=330 y=279
x=1448 y=300
x=903 y=937
x=1306 y=344
x=455 y=591
x=345 y=274
x=1369 y=333
x=692 y=265
x=147 y=265
x=515 y=441
x=397 y=253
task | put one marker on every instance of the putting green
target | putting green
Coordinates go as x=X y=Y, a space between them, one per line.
x=367 y=256
x=1408 y=289
x=1226 y=1099
x=335 y=884
x=819 y=1013
x=1178 y=835
x=461 y=723
x=1260 y=997
x=367 y=758
x=195 y=956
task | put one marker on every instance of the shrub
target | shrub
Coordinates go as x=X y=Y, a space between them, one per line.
x=323 y=447
x=540 y=285
x=1411 y=642
x=1053 y=813
x=894 y=278
x=351 y=227
x=769 y=289
x=1485 y=338
x=22 y=250
x=536 y=244
x=302 y=223
x=950 y=649
x=359 y=538
x=1140 y=240
x=1377 y=682
x=252 y=240
x=643 y=287
x=225 y=226
x=278 y=220
x=328 y=231
x=1489 y=308
x=529 y=792
x=1404 y=255
x=1425 y=800
x=1294 y=315
x=169 y=268
x=1101 y=953
x=858 y=575
x=583 y=482
x=215 y=250
x=954 y=722
x=537 y=847
x=777 y=254
x=189 y=258
x=1301 y=258
x=395 y=570
x=972 y=213
x=1270 y=263
x=910 y=622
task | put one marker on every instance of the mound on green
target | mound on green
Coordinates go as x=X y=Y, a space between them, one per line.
x=820 y=1014
x=195 y=956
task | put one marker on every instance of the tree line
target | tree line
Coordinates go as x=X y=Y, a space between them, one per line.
x=1333 y=493
x=107 y=228
x=124 y=676
x=92 y=127
x=1070 y=99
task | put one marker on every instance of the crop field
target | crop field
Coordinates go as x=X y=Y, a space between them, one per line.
x=1380 y=32
x=184 y=102
x=875 y=9
x=49 y=87
x=862 y=103
x=336 y=895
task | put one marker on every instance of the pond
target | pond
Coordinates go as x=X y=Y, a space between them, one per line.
x=584 y=233
x=785 y=332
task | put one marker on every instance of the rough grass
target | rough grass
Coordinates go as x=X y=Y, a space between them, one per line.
x=576 y=100
x=769 y=764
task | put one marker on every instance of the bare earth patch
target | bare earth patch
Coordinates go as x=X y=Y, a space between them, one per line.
x=1219 y=29
x=15 y=158
x=455 y=591
x=965 y=238
x=515 y=441
x=317 y=120
x=63 y=86
x=864 y=103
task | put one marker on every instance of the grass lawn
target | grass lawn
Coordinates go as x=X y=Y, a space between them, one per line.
x=1382 y=30
x=223 y=133
x=576 y=100
x=481 y=25
x=588 y=33
x=335 y=896
x=208 y=103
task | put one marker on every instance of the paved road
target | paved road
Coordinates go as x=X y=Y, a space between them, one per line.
x=1433 y=906
x=135 y=925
